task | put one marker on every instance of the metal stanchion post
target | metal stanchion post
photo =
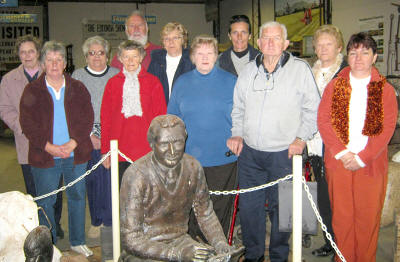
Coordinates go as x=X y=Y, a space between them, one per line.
x=297 y=208
x=115 y=200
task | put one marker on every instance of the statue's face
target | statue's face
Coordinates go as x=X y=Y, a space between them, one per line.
x=169 y=146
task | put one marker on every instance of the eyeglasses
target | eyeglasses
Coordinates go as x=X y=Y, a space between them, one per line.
x=174 y=39
x=98 y=53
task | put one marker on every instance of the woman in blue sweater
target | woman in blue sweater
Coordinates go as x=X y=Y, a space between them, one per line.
x=203 y=98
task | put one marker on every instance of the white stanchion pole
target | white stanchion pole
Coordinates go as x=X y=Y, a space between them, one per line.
x=297 y=208
x=115 y=200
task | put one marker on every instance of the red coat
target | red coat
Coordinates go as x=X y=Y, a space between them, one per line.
x=374 y=155
x=131 y=132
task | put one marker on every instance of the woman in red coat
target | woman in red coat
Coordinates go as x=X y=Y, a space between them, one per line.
x=356 y=118
x=131 y=99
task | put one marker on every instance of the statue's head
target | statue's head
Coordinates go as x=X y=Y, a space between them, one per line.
x=167 y=135
x=38 y=246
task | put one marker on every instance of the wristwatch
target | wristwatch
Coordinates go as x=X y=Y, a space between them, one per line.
x=301 y=139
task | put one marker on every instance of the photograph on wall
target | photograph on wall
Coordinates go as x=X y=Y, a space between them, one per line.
x=301 y=18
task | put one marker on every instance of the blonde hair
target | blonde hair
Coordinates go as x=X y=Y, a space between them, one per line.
x=171 y=26
x=330 y=30
x=203 y=40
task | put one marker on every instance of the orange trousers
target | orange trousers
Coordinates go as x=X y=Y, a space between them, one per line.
x=356 y=201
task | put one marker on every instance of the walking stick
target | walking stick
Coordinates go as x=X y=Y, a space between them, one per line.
x=233 y=221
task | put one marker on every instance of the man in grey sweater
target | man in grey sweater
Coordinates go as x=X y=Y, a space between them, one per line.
x=274 y=113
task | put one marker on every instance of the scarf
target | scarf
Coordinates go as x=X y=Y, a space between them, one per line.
x=322 y=79
x=131 y=105
x=373 y=124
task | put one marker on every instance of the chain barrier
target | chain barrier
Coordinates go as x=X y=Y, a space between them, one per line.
x=232 y=192
x=76 y=180
x=319 y=218
x=124 y=156
x=241 y=191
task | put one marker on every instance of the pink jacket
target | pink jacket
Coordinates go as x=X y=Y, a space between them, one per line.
x=11 y=88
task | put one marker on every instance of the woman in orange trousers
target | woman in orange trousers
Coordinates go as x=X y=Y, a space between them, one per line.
x=356 y=118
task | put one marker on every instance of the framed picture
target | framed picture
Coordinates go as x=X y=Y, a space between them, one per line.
x=301 y=18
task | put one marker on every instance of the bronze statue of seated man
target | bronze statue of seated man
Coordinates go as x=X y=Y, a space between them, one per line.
x=157 y=194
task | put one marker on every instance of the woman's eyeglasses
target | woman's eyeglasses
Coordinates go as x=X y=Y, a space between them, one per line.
x=98 y=53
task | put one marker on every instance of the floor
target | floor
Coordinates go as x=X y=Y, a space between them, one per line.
x=11 y=180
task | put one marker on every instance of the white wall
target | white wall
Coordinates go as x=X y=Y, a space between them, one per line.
x=65 y=20
x=345 y=15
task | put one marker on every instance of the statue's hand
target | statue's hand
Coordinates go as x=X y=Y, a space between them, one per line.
x=197 y=252
x=222 y=247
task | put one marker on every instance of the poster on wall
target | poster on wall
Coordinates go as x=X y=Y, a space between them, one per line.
x=16 y=22
x=113 y=32
x=374 y=27
x=301 y=18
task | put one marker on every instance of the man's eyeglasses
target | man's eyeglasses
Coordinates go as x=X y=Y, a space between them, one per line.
x=98 y=53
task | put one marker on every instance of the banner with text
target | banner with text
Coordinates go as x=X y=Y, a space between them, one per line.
x=16 y=22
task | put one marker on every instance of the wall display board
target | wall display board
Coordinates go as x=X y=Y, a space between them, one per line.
x=113 y=32
x=374 y=27
x=16 y=22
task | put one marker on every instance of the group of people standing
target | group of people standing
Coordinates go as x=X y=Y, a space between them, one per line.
x=262 y=105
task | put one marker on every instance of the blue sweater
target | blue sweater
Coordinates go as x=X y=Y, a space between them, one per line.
x=204 y=102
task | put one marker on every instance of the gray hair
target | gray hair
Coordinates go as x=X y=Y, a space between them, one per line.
x=131 y=45
x=274 y=24
x=164 y=121
x=137 y=13
x=93 y=41
x=53 y=46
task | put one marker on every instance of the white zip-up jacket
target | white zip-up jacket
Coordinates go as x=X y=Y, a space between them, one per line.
x=271 y=110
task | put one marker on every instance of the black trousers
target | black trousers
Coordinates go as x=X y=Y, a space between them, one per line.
x=219 y=178
x=324 y=204
x=122 y=167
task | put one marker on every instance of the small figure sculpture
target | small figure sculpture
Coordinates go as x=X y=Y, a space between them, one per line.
x=157 y=193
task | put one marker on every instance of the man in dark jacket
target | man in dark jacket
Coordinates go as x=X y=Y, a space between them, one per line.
x=240 y=53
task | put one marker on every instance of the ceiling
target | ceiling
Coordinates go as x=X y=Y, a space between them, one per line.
x=39 y=2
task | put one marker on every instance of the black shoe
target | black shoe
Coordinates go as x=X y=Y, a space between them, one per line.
x=59 y=231
x=260 y=259
x=324 y=251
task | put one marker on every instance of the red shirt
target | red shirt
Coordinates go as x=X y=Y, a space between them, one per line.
x=146 y=60
x=130 y=132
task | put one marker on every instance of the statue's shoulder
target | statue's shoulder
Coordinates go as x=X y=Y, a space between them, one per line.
x=140 y=168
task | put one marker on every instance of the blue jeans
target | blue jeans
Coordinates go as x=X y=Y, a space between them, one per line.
x=47 y=180
x=257 y=168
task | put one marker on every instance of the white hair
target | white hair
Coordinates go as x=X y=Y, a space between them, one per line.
x=137 y=13
x=274 y=24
